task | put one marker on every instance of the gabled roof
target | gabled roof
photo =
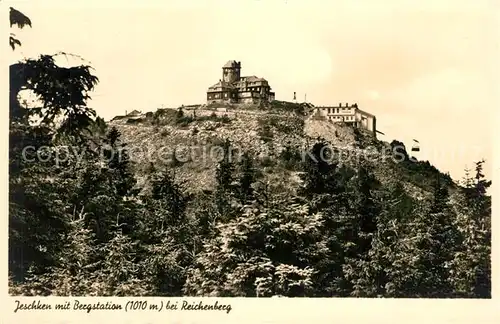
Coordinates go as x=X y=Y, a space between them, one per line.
x=253 y=78
x=221 y=84
x=134 y=113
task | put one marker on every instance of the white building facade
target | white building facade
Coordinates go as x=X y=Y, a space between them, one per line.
x=349 y=114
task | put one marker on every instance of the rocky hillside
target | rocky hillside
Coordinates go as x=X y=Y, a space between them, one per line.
x=189 y=139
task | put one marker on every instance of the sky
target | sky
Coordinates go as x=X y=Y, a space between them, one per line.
x=427 y=69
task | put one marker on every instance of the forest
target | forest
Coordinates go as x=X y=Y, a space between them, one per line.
x=84 y=227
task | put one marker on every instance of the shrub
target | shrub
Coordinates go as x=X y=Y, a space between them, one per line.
x=213 y=117
x=225 y=119
x=285 y=125
x=164 y=117
x=165 y=133
x=267 y=161
x=135 y=121
x=184 y=121
x=265 y=133
x=291 y=158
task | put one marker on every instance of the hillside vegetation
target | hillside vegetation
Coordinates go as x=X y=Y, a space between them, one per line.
x=91 y=214
x=288 y=206
x=271 y=136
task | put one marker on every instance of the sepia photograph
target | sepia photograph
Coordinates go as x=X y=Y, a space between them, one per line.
x=250 y=149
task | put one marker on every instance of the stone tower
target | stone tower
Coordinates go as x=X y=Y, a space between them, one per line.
x=231 y=71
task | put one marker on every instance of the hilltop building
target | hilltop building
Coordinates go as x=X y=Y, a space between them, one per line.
x=133 y=113
x=233 y=88
x=349 y=114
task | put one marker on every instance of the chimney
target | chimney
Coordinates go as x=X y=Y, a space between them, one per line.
x=340 y=104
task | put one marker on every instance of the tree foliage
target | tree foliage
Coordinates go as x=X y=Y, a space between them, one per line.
x=20 y=20
x=81 y=222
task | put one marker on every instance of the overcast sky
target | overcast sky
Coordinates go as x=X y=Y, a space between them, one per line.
x=427 y=69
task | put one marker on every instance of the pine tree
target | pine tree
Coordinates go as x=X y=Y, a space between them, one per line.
x=167 y=235
x=470 y=268
x=475 y=189
x=36 y=200
x=318 y=172
x=390 y=271
x=170 y=199
x=224 y=181
x=263 y=252
x=365 y=210
x=325 y=188
x=247 y=178
x=121 y=272
x=119 y=163
x=436 y=242
x=78 y=261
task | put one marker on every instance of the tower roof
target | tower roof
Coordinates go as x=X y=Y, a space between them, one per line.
x=230 y=64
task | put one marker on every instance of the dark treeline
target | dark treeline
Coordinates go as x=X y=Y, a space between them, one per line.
x=86 y=228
